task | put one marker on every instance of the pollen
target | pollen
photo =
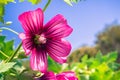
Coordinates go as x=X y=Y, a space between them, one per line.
x=40 y=39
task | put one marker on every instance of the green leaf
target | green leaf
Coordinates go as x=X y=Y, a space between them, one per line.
x=6 y=47
x=116 y=76
x=34 y=1
x=112 y=56
x=114 y=66
x=6 y=1
x=6 y=66
x=53 y=66
x=21 y=55
x=2 y=8
x=1 y=13
x=84 y=58
x=2 y=38
x=1 y=77
x=99 y=56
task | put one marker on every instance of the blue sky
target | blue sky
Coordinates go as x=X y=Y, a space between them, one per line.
x=87 y=18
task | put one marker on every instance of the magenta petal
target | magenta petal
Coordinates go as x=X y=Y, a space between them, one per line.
x=59 y=48
x=61 y=77
x=59 y=31
x=60 y=60
x=57 y=28
x=26 y=43
x=32 y=21
x=55 y=20
x=38 y=60
x=48 y=76
x=69 y=75
x=22 y=36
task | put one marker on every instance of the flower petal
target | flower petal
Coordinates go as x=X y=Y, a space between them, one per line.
x=60 y=60
x=69 y=75
x=61 y=77
x=22 y=36
x=55 y=20
x=60 y=48
x=26 y=43
x=38 y=60
x=57 y=27
x=32 y=21
x=47 y=76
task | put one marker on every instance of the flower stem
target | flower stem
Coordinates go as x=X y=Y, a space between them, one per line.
x=47 y=4
x=4 y=54
x=5 y=28
x=14 y=54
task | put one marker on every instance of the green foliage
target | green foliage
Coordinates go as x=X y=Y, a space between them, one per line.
x=116 y=76
x=6 y=48
x=1 y=13
x=6 y=1
x=77 y=54
x=53 y=66
x=1 y=77
x=6 y=66
x=100 y=67
x=109 y=40
x=34 y=1
x=2 y=8
x=15 y=73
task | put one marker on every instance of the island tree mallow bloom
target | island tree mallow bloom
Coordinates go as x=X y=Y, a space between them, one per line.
x=41 y=40
x=69 y=75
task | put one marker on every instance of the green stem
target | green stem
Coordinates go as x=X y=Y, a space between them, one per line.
x=4 y=54
x=46 y=5
x=14 y=54
x=5 y=28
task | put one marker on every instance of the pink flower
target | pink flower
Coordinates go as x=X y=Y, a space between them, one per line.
x=69 y=75
x=42 y=40
x=47 y=76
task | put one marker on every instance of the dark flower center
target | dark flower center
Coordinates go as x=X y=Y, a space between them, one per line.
x=40 y=39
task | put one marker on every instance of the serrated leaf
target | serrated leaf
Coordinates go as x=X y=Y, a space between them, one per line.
x=6 y=47
x=34 y=1
x=6 y=66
